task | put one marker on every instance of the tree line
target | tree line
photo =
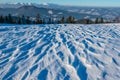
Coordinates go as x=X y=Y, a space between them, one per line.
x=20 y=19
x=70 y=19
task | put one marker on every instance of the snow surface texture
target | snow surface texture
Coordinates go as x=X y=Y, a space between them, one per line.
x=60 y=52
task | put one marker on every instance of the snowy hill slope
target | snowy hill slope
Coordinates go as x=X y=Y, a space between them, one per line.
x=60 y=52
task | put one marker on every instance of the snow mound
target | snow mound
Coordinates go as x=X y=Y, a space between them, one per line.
x=60 y=52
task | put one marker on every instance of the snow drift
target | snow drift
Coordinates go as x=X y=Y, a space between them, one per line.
x=60 y=52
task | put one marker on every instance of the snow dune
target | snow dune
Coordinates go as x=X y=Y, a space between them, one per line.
x=60 y=52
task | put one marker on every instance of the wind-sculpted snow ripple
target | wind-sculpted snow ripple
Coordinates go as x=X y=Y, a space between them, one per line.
x=60 y=52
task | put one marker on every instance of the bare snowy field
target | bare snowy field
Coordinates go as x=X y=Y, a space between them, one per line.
x=60 y=52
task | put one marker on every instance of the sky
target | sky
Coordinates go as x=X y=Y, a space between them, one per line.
x=109 y=3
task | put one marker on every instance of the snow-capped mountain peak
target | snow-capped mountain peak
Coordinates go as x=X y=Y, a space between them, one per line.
x=45 y=4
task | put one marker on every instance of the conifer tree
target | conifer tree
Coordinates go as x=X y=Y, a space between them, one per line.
x=101 y=20
x=28 y=20
x=96 y=21
x=38 y=19
x=6 y=19
x=23 y=19
x=10 y=20
x=43 y=21
x=70 y=19
x=49 y=21
x=62 y=19
x=19 y=20
x=1 y=19
x=87 y=21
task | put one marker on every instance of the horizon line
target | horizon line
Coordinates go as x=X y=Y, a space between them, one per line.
x=69 y=5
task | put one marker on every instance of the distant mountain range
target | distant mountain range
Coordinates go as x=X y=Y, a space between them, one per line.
x=17 y=5
x=32 y=9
